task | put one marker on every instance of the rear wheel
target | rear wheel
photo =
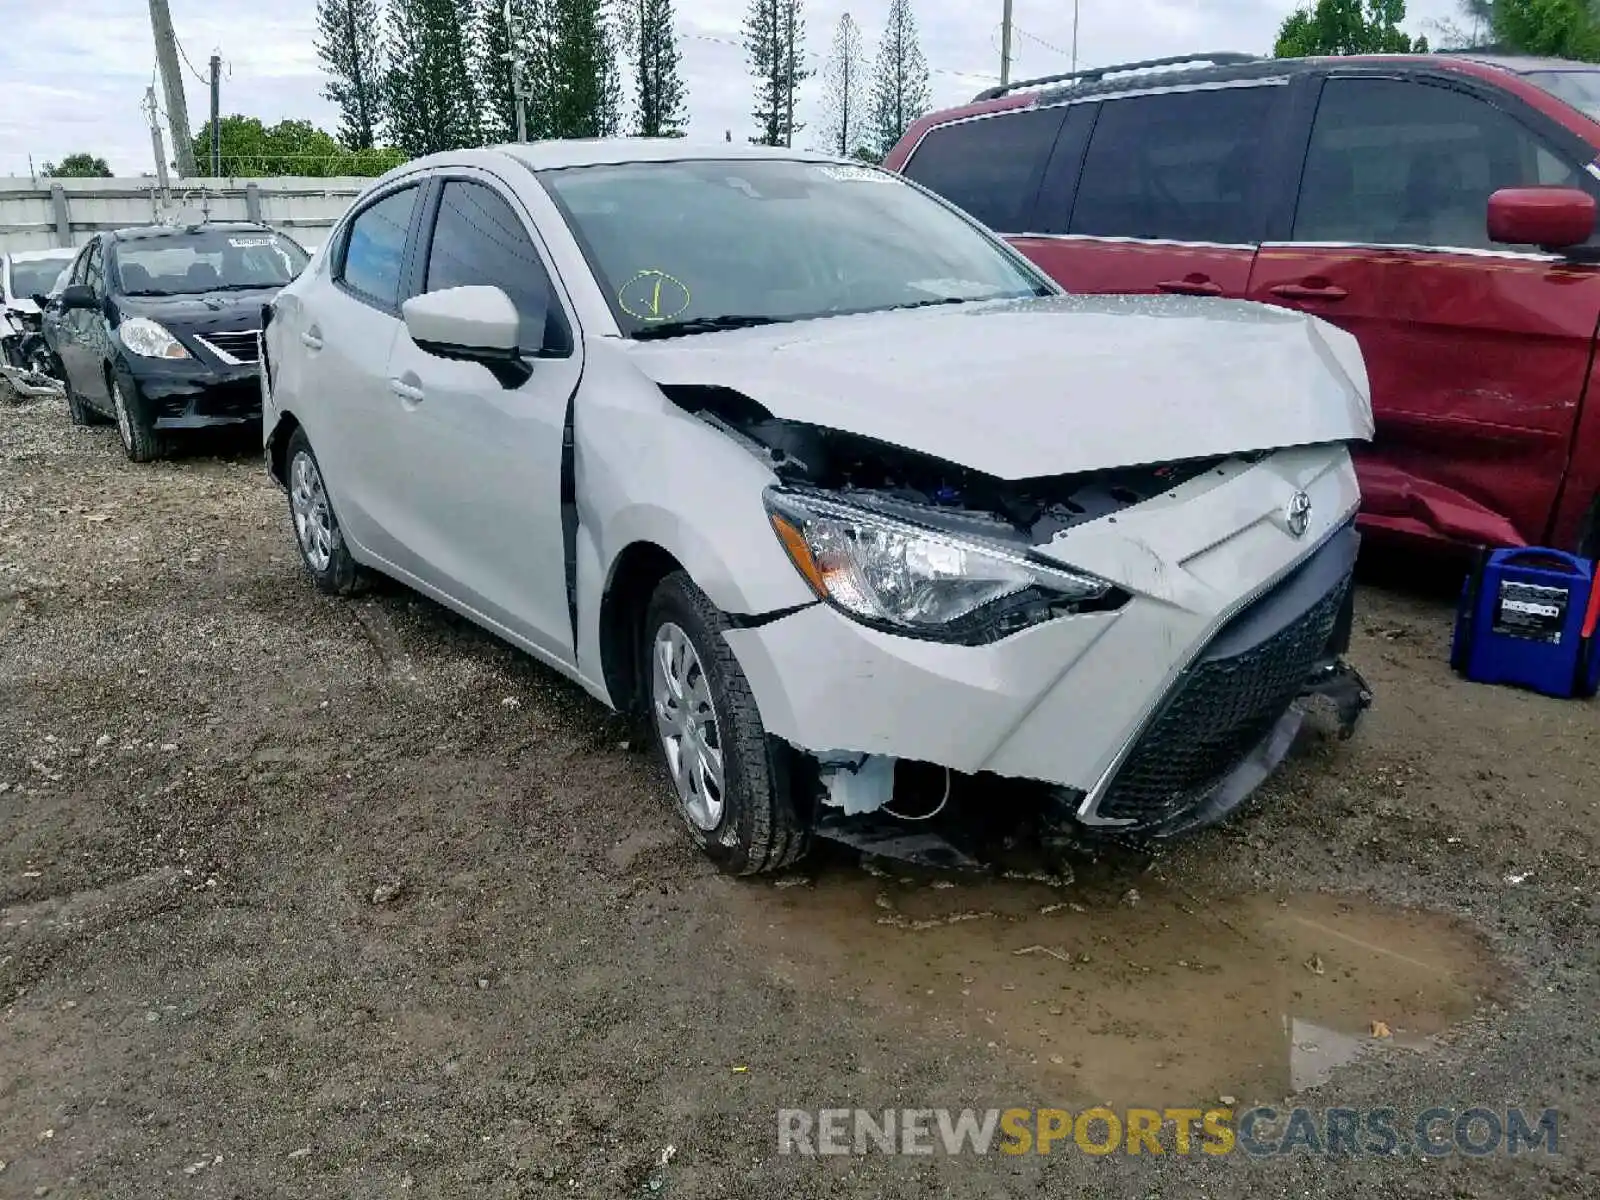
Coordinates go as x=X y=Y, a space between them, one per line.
x=731 y=779
x=139 y=439
x=316 y=528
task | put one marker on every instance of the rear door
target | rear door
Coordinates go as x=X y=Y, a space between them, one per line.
x=1477 y=353
x=1162 y=191
x=346 y=324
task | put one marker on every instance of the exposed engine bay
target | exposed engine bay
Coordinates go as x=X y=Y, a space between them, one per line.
x=917 y=487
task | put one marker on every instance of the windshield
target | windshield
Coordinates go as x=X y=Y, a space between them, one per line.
x=36 y=276
x=1581 y=89
x=701 y=244
x=213 y=261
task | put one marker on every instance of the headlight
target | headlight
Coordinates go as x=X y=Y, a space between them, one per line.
x=150 y=339
x=904 y=578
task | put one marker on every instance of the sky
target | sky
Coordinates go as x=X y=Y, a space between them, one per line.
x=76 y=70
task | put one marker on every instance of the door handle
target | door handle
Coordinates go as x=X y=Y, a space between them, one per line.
x=1190 y=287
x=311 y=339
x=1305 y=291
x=406 y=391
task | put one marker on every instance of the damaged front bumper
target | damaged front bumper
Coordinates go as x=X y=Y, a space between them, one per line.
x=1148 y=721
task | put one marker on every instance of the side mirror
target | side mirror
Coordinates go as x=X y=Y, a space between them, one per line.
x=471 y=324
x=78 y=295
x=1552 y=218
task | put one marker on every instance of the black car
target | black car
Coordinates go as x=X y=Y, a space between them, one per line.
x=158 y=327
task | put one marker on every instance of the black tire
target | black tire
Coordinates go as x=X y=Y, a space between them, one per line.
x=328 y=559
x=139 y=440
x=761 y=827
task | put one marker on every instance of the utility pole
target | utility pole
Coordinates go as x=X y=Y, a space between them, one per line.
x=216 y=126
x=1074 y=37
x=155 y=143
x=1005 y=45
x=172 y=85
x=518 y=100
x=788 y=131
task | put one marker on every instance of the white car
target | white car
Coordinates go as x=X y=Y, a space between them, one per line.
x=853 y=502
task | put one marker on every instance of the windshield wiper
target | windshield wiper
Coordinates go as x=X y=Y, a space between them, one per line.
x=668 y=329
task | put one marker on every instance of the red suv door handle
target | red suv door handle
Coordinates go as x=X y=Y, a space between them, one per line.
x=1190 y=287
x=1303 y=291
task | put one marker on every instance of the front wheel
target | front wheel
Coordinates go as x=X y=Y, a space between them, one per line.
x=139 y=438
x=316 y=529
x=732 y=781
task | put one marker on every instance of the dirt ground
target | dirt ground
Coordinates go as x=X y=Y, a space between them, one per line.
x=307 y=897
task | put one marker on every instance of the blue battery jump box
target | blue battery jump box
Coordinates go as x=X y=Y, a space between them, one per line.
x=1527 y=618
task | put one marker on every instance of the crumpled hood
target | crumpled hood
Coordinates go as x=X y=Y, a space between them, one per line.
x=206 y=312
x=1047 y=387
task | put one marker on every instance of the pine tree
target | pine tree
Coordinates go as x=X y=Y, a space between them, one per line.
x=844 y=80
x=774 y=39
x=579 y=85
x=348 y=45
x=659 y=88
x=429 y=99
x=900 y=90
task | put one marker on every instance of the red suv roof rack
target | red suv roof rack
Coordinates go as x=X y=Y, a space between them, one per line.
x=1220 y=59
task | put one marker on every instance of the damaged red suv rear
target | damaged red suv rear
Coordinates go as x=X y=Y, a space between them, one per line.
x=1439 y=207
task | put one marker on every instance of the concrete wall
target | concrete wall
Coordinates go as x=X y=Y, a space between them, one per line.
x=45 y=213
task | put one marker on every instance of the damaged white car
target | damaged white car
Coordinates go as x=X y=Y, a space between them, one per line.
x=856 y=506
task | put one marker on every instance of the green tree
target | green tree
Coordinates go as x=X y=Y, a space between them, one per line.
x=1347 y=27
x=900 y=90
x=1549 y=28
x=429 y=101
x=347 y=43
x=253 y=150
x=658 y=88
x=774 y=41
x=574 y=80
x=79 y=166
x=844 y=77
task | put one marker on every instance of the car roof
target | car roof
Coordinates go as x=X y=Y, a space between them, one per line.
x=588 y=152
x=17 y=256
x=137 y=233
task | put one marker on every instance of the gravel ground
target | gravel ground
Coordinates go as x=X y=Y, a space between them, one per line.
x=306 y=897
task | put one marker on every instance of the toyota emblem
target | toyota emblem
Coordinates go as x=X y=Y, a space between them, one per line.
x=1298 y=514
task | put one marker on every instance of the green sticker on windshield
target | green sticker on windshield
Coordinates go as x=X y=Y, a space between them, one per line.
x=653 y=296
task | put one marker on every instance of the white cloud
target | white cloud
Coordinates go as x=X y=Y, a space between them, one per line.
x=76 y=71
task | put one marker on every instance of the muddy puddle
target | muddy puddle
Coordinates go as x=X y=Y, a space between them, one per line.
x=1129 y=997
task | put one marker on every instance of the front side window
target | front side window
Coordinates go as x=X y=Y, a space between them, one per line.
x=989 y=166
x=217 y=260
x=1181 y=166
x=674 y=243
x=1394 y=162
x=93 y=274
x=479 y=239
x=374 y=251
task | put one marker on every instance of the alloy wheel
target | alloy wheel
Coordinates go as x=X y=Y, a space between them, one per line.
x=686 y=720
x=313 y=515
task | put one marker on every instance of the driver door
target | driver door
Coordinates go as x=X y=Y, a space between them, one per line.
x=480 y=512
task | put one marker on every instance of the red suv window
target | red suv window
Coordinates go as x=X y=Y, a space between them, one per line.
x=990 y=166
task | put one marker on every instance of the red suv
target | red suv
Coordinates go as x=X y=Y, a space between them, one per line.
x=1439 y=207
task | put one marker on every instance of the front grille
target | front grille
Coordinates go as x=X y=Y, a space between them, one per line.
x=1218 y=712
x=239 y=346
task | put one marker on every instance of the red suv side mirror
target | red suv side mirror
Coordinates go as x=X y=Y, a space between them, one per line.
x=1552 y=218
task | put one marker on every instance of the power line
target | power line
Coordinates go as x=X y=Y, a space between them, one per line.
x=814 y=58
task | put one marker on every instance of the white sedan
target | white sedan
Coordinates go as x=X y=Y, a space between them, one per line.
x=855 y=505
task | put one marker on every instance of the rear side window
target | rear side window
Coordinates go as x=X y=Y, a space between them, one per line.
x=1396 y=162
x=374 y=252
x=990 y=166
x=1183 y=166
x=479 y=239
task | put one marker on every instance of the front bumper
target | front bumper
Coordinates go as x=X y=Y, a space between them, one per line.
x=193 y=395
x=1145 y=714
